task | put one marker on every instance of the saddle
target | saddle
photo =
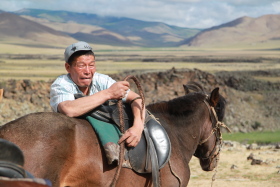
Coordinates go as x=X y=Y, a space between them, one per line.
x=153 y=150
x=12 y=174
x=11 y=170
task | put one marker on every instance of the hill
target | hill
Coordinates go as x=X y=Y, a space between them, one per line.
x=244 y=30
x=121 y=31
x=16 y=28
x=84 y=32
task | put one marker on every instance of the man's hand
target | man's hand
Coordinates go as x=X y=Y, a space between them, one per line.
x=118 y=90
x=132 y=135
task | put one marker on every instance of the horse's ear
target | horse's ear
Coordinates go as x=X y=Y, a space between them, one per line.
x=214 y=98
x=186 y=89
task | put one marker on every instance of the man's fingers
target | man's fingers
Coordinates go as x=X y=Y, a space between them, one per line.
x=126 y=83
x=130 y=139
x=133 y=143
x=124 y=137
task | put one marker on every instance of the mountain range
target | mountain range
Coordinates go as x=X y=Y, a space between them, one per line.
x=242 y=30
x=62 y=27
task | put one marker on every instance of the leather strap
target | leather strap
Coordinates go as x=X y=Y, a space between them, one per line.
x=134 y=100
x=154 y=160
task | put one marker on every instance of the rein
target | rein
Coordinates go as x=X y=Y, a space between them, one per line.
x=120 y=109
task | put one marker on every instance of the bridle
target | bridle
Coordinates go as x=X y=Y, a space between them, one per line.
x=216 y=124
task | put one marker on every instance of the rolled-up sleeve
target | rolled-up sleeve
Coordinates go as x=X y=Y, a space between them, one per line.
x=61 y=90
x=59 y=94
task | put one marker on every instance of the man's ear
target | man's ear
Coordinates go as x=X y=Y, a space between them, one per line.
x=67 y=67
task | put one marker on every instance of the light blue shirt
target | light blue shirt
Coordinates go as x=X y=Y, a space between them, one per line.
x=63 y=88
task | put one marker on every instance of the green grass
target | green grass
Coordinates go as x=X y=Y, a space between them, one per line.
x=254 y=137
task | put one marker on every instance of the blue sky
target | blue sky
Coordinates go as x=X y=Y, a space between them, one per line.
x=183 y=13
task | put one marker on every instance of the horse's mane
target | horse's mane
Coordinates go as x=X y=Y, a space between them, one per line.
x=183 y=104
x=179 y=105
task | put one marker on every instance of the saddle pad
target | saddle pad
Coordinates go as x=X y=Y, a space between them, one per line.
x=108 y=135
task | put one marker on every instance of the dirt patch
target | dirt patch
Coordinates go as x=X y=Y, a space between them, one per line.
x=235 y=170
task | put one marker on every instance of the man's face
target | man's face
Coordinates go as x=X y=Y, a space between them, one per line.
x=82 y=70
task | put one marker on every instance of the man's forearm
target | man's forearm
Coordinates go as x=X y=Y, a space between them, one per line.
x=82 y=105
x=136 y=109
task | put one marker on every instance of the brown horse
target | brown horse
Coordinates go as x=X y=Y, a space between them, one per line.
x=67 y=151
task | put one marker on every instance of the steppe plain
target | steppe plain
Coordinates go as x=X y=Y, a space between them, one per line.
x=28 y=61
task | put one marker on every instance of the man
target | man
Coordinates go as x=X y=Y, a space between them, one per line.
x=83 y=78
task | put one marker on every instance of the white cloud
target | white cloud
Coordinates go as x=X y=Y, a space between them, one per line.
x=276 y=6
x=185 y=13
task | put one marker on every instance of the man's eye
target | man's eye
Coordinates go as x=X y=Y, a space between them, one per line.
x=81 y=65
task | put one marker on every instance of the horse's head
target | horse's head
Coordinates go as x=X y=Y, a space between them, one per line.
x=211 y=140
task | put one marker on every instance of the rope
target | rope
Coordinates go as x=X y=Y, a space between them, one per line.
x=173 y=173
x=140 y=90
x=214 y=177
x=122 y=145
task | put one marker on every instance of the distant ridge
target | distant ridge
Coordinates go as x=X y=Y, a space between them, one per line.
x=244 y=30
x=15 y=27
x=132 y=31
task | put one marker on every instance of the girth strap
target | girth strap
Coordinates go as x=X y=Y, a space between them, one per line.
x=151 y=153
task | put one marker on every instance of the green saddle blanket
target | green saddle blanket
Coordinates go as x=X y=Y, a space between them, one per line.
x=109 y=135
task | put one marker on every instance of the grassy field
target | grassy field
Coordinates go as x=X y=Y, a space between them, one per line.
x=254 y=137
x=44 y=62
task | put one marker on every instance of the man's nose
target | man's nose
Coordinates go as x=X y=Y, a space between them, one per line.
x=87 y=69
